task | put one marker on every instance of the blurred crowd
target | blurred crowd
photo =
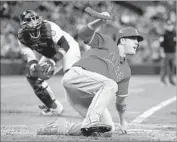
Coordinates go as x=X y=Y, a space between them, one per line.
x=70 y=16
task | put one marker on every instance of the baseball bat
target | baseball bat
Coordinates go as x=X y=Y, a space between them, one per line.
x=96 y=14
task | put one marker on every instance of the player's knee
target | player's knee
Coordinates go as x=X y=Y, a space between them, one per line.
x=111 y=85
x=36 y=82
x=66 y=83
x=31 y=79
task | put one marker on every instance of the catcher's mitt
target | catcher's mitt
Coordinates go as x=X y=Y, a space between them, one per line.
x=45 y=70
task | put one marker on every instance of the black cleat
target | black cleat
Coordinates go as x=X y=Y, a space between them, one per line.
x=100 y=128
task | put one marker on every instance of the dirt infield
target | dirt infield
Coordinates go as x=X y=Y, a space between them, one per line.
x=20 y=117
x=28 y=133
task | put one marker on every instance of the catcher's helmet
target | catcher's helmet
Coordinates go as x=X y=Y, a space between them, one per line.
x=31 y=22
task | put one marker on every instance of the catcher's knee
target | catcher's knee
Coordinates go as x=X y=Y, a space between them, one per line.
x=36 y=82
x=42 y=91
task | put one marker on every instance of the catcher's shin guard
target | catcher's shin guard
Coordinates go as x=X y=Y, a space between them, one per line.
x=42 y=91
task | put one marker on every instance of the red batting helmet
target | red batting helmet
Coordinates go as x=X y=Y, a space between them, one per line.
x=129 y=32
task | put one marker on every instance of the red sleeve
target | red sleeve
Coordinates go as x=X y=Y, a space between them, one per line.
x=94 y=39
x=123 y=88
x=86 y=34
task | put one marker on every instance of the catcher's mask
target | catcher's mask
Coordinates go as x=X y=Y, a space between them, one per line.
x=31 y=22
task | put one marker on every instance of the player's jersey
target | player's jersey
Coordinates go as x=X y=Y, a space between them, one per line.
x=104 y=58
x=47 y=43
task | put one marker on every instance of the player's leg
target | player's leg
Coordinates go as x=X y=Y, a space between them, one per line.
x=173 y=70
x=97 y=86
x=169 y=68
x=81 y=106
x=61 y=126
x=44 y=92
x=163 y=71
x=64 y=127
x=107 y=119
x=58 y=127
x=97 y=107
x=75 y=128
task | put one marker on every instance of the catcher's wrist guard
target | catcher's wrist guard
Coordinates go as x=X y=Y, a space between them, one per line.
x=46 y=69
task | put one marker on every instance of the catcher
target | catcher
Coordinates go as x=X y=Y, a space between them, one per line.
x=57 y=49
x=101 y=74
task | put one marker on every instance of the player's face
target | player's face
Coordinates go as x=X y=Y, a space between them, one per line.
x=32 y=24
x=131 y=45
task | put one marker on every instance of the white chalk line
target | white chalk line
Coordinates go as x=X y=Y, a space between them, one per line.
x=152 y=110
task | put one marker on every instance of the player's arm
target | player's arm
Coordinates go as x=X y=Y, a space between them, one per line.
x=121 y=108
x=29 y=56
x=48 y=67
x=60 y=41
x=27 y=53
x=62 y=50
x=87 y=32
x=121 y=103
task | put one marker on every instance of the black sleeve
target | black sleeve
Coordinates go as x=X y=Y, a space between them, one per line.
x=63 y=44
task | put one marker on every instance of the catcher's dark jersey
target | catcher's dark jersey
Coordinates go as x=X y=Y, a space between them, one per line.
x=104 y=58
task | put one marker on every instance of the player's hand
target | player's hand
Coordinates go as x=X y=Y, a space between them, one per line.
x=106 y=14
x=46 y=69
x=123 y=127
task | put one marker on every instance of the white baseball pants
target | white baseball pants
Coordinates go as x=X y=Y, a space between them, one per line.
x=89 y=94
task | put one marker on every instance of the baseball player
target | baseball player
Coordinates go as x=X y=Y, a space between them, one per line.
x=57 y=49
x=168 y=50
x=101 y=73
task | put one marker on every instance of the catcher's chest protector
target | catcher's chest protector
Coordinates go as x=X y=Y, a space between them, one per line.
x=44 y=44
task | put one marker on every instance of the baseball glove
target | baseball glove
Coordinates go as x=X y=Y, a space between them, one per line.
x=45 y=70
